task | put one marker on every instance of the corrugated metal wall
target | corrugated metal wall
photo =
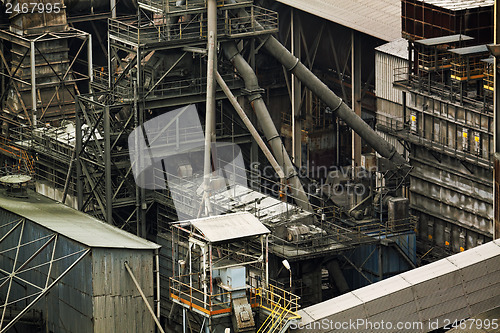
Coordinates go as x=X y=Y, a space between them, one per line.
x=454 y=206
x=386 y=67
x=68 y=306
x=118 y=306
x=389 y=99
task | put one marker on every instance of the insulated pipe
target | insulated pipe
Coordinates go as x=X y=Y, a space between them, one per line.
x=252 y=86
x=340 y=109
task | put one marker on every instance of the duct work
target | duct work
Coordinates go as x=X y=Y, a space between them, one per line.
x=340 y=109
x=265 y=120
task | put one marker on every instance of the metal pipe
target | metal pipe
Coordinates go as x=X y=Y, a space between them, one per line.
x=239 y=264
x=144 y=297
x=33 y=82
x=158 y=296
x=78 y=149
x=210 y=103
x=90 y=62
x=112 y=5
x=340 y=109
x=267 y=262
x=250 y=126
x=274 y=139
x=136 y=147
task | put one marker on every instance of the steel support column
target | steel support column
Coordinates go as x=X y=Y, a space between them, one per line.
x=107 y=166
x=356 y=94
x=296 y=92
x=33 y=82
x=90 y=63
x=78 y=149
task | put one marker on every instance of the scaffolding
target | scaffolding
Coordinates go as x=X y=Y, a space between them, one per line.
x=466 y=64
x=40 y=82
x=432 y=53
x=225 y=272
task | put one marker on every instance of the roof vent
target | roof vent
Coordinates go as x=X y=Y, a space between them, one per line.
x=16 y=185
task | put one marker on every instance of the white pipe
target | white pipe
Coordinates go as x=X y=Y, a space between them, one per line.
x=90 y=60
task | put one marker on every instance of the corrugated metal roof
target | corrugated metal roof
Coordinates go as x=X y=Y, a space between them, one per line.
x=229 y=227
x=489 y=60
x=397 y=48
x=470 y=50
x=443 y=40
x=72 y=223
x=459 y=4
x=378 y=18
x=462 y=285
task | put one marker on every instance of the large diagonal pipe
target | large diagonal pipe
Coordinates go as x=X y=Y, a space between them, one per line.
x=252 y=86
x=340 y=109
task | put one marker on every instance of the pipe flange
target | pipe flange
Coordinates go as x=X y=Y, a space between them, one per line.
x=294 y=65
x=338 y=106
x=256 y=91
x=273 y=138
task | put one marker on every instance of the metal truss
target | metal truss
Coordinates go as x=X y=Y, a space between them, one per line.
x=104 y=173
x=43 y=101
x=35 y=266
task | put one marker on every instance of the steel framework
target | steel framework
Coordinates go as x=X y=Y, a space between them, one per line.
x=37 y=265
x=42 y=77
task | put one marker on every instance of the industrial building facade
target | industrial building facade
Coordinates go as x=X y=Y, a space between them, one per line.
x=266 y=155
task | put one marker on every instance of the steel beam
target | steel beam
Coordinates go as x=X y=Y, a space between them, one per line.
x=296 y=92
x=107 y=165
x=356 y=94
x=496 y=107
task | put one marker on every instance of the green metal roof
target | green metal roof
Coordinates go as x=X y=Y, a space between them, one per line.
x=72 y=223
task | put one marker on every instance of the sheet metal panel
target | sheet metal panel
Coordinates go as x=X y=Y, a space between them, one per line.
x=443 y=40
x=390 y=66
x=73 y=224
x=118 y=305
x=378 y=18
x=229 y=227
x=465 y=285
x=97 y=295
x=470 y=50
x=460 y=5
x=68 y=305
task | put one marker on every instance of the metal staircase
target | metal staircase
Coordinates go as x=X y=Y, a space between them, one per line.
x=282 y=307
